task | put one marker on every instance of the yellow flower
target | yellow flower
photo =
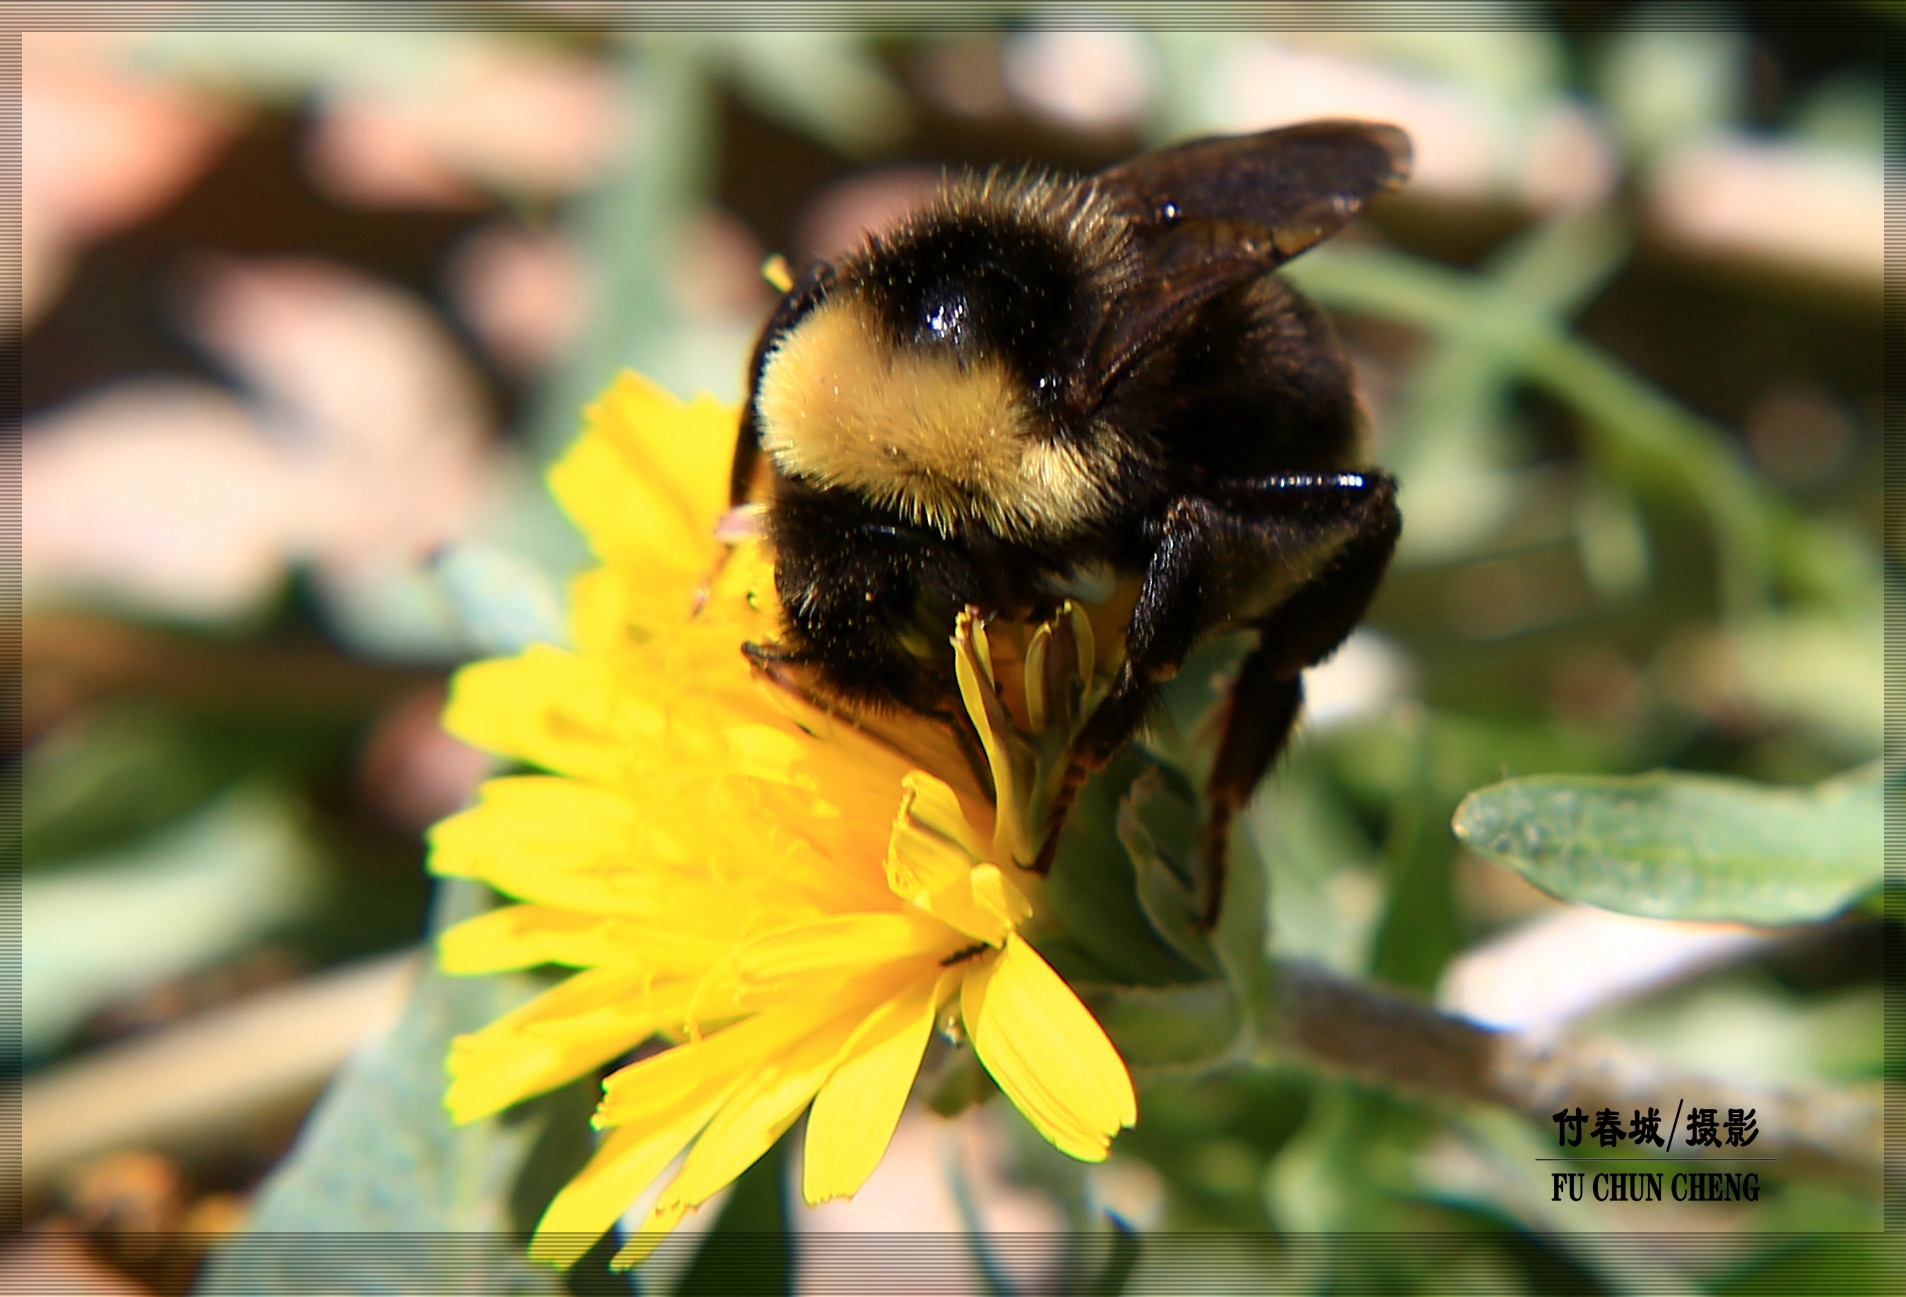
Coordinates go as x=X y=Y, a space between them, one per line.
x=789 y=899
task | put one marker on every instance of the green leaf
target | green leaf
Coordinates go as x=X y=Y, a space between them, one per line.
x=1125 y=1250
x=1092 y=893
x=1823 y=671
x=1631 y=431
x=1678 y=846
x=380 y=1155
x=630 y=229
x=1320 y=866
x=201 y=888
x=1419 y=931
x=106 y=778
x=1168 y=1026
x=1158 y=826
x=1183 y=730
x=1243 y=939
x=503 y=600
x=748 y=1249
x=827 y=83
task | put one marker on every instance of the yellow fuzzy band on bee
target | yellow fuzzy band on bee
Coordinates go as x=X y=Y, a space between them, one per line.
x=943 y=444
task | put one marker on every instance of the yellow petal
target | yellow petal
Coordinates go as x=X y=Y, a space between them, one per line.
x=931 y=858
x=566 y=1031
x=1047 y=1052
x=557 y=841
x=577 y=846
x=640 y=1243
x=744 y=588
x=630 y=521
x=764 y=1106
x=649 y=475
x=854 y=1115
x=955 y=906
x=932 y=805
x=998 y=896
x=821 y=872
x=973 y=671
x=667 y=741
x=686 y=446
x=611 y=616
x=920 y=863
x=568 y=821
x=524 y=936
x=625 y=1164
x=514 y=936
x=770 y=753
x=551 y=708
x=637 y=1092
x=838 y=948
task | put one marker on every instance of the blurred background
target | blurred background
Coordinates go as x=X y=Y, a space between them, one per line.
x=306 y=315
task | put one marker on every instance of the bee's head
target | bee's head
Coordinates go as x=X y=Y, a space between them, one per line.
x=932 y=375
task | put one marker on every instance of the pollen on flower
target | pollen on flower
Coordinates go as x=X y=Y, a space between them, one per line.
x=785 y=893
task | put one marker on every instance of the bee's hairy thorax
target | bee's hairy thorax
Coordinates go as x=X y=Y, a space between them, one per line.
x=932 y=377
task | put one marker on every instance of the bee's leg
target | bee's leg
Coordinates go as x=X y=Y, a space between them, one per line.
x=1172 y=610
x=1112 y=722
x=1179 y=599
x=774 y=654
x=1208 y=562
x=1260 y=713
x=1298 y=633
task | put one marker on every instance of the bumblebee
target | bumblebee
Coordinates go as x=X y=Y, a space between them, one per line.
x=1038 y=386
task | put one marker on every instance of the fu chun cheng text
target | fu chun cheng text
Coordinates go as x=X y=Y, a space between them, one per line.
x=1646 y=1186
x=1704 y=1128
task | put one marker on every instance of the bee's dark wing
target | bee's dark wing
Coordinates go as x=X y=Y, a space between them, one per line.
x=1292 y=186
x=1213 y=213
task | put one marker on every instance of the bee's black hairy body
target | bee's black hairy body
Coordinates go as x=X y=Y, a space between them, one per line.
x=1037 y=388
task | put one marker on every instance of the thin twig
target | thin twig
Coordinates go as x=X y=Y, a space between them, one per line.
x=1383 y=1037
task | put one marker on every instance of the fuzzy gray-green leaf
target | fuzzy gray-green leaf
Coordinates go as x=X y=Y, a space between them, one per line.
x=1680 y=846
x=380 y=1154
